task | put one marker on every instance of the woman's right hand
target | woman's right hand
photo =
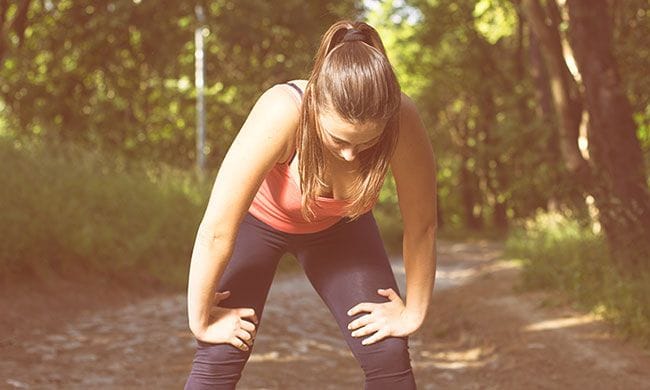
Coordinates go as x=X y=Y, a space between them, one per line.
x=227 y=325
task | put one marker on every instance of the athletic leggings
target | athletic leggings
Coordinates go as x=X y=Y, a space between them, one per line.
x=346 y=264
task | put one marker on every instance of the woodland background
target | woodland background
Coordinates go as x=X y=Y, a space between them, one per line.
x=538 y=112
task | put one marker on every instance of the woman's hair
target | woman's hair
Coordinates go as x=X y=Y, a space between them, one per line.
x=353 y=79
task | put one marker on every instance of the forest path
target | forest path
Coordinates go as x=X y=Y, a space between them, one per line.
x=479 y=334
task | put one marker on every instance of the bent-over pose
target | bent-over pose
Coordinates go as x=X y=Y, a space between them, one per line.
x=302 y=176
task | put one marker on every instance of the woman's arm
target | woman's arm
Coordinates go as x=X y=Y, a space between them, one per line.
x=414 y=169
x=260 y=144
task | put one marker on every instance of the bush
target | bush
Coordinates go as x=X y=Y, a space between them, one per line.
x=65 y=207
x=559 y=252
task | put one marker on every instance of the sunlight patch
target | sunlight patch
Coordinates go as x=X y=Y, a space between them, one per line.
x=561 y=323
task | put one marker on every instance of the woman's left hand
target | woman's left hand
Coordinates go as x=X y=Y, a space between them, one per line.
x=383 y=319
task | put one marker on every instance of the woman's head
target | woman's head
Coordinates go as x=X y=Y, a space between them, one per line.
x=345 y=140
x=350 y=112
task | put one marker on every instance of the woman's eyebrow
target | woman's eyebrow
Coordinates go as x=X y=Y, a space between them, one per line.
x=342 y=140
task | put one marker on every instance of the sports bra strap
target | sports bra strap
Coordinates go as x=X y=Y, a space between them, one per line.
x=300 y=92
x=295 y=87
x=292 y=156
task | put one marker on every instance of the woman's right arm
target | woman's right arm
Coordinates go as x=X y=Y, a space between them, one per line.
x=261 y=142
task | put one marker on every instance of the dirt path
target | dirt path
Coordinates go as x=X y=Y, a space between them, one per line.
x=479 y=334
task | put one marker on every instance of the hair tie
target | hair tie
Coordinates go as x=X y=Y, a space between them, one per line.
x=353 y=35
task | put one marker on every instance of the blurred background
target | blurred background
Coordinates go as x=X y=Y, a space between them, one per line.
x=115 y=116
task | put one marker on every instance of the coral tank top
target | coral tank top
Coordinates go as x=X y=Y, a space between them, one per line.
x=277 y=202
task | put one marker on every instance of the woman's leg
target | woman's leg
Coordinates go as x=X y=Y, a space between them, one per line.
x=248 y=277
x=347 y=264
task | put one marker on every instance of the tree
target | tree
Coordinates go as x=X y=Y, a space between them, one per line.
x=117 y=75
x=544 y=22
x=622 y=195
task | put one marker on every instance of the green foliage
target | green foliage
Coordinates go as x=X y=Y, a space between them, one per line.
x=388 y=217
x=117 y=77
x=450 y=58
x=495 y=19
x=632 y=25
x=64 y=207
x=560 y=252
x=120 y=75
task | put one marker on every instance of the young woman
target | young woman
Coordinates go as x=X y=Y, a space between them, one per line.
x=302 y=176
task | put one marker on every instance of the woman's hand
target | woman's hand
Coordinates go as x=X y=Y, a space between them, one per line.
x=384 y=319
x=226 y=325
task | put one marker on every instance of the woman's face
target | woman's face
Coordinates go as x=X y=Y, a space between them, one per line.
x=345 y=140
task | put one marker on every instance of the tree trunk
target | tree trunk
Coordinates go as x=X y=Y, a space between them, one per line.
x=564 y=89
x=622 y=195
x=469 y=192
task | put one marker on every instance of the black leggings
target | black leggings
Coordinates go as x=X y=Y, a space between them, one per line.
x=346 y=263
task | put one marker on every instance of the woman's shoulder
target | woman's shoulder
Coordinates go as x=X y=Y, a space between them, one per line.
x=290 y=87
x=283 y=102
x=408 y=110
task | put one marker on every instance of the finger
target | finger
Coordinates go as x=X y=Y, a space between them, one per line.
x=245 y=336
x=239 y=344
x=253 y=319
x=365 y=330
x=221 y=294
x=247 y=325
x=246 y=312
x=359 y=322
x=364 y=306
x=387 y=292
x=380 y=334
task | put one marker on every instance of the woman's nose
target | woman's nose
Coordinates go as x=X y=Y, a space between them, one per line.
x=349 y=154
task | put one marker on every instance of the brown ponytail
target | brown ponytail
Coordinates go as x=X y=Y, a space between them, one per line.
x=353 y=78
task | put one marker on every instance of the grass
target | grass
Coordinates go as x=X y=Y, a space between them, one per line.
x=559 y=253
x=69 y=210
x=66 y=208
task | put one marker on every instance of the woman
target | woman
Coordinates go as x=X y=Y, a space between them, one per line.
x=302 y=176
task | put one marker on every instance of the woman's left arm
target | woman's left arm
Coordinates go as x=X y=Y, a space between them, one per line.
x=414 y=169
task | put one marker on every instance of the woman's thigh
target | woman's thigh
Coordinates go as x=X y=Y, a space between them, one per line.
x=347 y=264
x=250 y=271
x=248 y=276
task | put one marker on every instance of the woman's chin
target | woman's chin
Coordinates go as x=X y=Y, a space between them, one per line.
x=338 y=158
x=342 y=159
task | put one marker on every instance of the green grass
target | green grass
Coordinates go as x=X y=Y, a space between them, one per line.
x=67 y=209
x=561 y=254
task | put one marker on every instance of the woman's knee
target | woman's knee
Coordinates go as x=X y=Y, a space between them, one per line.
x=216 y=366
x=386 y=361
